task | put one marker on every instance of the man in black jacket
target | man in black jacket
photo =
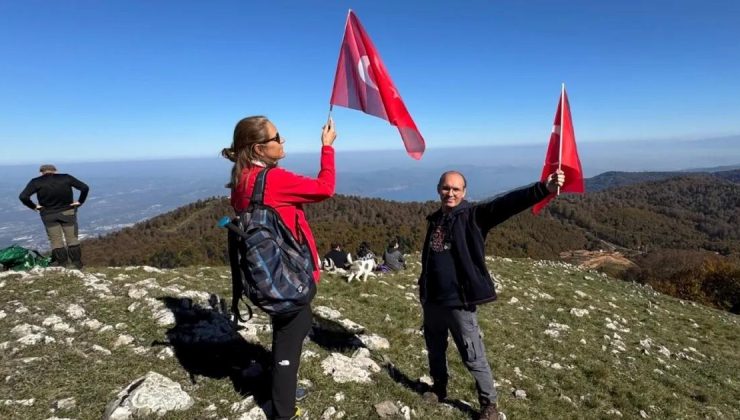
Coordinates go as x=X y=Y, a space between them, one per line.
x=58 y=210
x=454 y=278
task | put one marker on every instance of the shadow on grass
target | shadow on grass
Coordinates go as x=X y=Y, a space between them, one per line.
x=420 y=388
x=332 y=336
x=206 y=344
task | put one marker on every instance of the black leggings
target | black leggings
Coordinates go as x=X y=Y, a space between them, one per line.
x=288 y=333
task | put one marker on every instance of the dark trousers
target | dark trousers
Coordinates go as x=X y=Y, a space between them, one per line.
x=288 y=333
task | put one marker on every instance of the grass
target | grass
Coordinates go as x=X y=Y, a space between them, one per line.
x=592 y=369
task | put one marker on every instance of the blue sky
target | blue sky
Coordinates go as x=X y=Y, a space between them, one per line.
x=105 y=80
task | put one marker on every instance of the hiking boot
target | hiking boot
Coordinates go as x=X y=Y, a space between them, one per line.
x=58 y=257
x=489 y=412
x=301 y=393
x=75 y=254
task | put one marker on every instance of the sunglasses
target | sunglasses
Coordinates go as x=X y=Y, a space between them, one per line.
x=277 y=138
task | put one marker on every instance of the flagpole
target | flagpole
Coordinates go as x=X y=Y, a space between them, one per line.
x=346 y=22
x=560 y=137
x=560 y=141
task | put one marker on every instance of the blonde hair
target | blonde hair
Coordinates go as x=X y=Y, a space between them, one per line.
x=248 y=132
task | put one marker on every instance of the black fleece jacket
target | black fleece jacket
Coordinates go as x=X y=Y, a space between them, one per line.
x=469 y=226
x=53 y=192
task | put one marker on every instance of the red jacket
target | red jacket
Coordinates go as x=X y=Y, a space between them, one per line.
x=287 y=192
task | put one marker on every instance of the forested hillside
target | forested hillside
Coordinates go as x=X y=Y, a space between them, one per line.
x=683 y=233
x=189 y=236
x=688 y=212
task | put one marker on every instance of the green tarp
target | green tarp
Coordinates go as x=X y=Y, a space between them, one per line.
x=18 y=258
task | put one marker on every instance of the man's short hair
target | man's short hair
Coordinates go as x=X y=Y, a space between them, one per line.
x=444 y=174
x=335 y=245
x=47 y=168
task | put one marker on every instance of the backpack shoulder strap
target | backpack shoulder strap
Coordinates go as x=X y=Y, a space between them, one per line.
x=258 y=192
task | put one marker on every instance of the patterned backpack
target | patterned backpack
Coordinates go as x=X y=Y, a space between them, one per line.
x=268 y=264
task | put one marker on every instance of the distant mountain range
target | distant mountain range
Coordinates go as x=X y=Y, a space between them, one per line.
x=125 y=193
x=615 y=179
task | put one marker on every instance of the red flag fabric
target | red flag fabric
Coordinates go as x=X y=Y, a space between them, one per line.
x=362 y=82
x=562 y=137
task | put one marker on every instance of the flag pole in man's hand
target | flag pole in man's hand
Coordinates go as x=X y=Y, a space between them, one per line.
x=562 y=154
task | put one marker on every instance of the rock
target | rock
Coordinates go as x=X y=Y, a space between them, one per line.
x=243 y=405
x=581 y=294
x=566 y=399
x=406 y=412
x=358 y=368
x=644 y=415
x=75 y=311
x=328 y=413
x=256 y=413
x=520 y=394
x=123 y=340
x=137 y=293
x=664 y=351
x=26 y=403
x=165 y=353
x=93 y=324
x=308 y=354
x=554 y=329
x=513 y=300
x=65 y=404
x=386 y=409
x=152 y=394
x=101 y=349
x=351 y=326
x=151 y=269
x=578 y=312
x=339 y=396
x=23 y=330
x=374 y=342
x=327 y=313
x=36 y=338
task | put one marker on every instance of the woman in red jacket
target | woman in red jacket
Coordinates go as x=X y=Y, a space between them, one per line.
x=257 y=145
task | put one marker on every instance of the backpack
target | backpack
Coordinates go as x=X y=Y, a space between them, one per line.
x=18 y=258
x=268 y=265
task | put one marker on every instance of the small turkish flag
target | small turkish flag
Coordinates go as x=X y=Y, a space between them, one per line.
x=362 y=82
x=562 y=154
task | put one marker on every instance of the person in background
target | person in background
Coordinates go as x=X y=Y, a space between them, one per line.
x=364 y=252
x=393 y=258
x=454 y=278
x=339 y=258
x=58 y=210
x=258 y=145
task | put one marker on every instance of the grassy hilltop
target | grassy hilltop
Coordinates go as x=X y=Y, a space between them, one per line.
x=578 y=343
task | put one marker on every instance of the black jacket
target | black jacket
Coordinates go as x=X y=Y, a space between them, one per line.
x=468 y=229
x=53 y=192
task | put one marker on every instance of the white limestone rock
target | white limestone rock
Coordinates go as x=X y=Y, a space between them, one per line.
x=151 y=395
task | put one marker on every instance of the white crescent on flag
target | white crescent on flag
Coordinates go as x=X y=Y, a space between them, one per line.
x=363 y=69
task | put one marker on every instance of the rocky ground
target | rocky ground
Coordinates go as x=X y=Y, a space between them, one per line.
x=564 y=342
